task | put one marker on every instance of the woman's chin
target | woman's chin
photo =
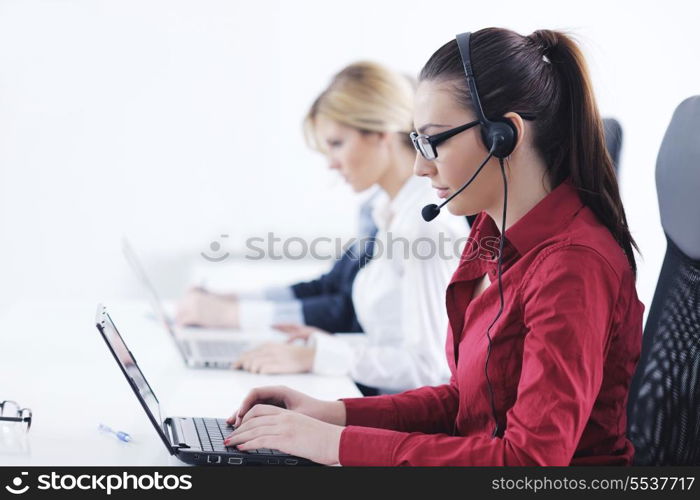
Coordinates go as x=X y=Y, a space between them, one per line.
x=457 y=210
x=359 y=187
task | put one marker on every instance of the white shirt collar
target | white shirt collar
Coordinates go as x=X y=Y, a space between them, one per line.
x=406 y=199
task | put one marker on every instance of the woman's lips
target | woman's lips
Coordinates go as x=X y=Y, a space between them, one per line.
x=442 y=192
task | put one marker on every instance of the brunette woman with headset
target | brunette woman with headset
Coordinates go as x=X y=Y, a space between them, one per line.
x=541 y=360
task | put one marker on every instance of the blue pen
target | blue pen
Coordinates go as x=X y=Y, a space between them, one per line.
x=120 y=435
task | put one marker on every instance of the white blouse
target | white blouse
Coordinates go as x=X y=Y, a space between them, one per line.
x=399 y=298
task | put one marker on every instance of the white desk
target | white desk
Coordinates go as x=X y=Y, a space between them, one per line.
x=53 y=360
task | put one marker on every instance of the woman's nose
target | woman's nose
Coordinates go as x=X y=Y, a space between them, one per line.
x=423 y=167
x=333 y=164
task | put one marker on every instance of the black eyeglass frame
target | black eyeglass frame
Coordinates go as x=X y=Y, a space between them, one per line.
x=24 y=415
x=422 y=141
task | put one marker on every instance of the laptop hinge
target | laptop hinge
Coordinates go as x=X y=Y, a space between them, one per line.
x=171 y=430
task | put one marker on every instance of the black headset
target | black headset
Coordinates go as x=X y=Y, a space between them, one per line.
x=499 y=136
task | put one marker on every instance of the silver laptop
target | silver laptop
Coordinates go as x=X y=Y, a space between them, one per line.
x=199 y=347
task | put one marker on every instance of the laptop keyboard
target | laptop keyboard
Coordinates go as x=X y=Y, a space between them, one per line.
x=215 y=349
x=213 y=431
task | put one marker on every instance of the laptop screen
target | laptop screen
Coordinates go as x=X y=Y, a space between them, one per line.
x=131 y=370
x=140 y=273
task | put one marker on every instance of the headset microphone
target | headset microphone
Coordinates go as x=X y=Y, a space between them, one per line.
x=429 y=212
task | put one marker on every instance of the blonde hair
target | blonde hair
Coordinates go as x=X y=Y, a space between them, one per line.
x=366 y=96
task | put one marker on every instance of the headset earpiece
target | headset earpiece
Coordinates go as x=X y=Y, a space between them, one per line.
x=502 y=133
x=499 y=132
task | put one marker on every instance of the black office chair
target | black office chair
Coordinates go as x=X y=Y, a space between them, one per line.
x=664 y=406
x=613 y=143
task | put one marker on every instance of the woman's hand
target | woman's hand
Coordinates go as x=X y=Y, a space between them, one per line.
x=266 y=426
x=332 y=412
x=277 y=358
x=201 y=308
x=296 y=331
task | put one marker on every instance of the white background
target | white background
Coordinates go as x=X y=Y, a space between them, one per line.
x=173 y=122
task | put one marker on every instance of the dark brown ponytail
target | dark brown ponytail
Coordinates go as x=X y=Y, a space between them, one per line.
x=544 y=74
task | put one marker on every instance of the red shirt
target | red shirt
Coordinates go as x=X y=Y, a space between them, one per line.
x=564 y=351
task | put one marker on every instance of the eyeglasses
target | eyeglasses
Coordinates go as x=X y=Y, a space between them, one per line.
x=21 y=415
x=426 y=144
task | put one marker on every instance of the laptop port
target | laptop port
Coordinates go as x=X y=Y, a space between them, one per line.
x=291 y=461
x=235 y=461
x=273 y=461
x=213 y=459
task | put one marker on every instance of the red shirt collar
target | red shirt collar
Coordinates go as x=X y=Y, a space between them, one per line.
x=546 y=219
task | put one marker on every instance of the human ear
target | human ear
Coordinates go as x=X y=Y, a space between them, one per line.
x=517 y=122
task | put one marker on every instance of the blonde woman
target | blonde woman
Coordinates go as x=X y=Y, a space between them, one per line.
x=360 y=122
